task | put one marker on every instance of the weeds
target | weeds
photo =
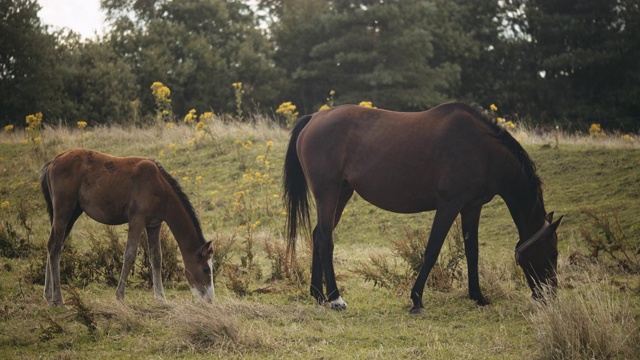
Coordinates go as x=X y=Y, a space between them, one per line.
x=281 y=267
x=222 y=250
x=83 y=313
x=607 y=237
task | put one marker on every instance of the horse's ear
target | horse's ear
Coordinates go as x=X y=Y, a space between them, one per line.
x=207 y=249
x=549 y=217
x=555 y=225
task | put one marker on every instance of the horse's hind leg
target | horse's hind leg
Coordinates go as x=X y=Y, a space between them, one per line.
x=329 y=208
x=133 y=240
x=60 y=229
x=155 y=255
x=470 y=221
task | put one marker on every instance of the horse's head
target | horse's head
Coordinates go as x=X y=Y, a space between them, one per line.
x=198 y=269
x=538 y=257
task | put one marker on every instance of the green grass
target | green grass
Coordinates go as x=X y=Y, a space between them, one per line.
x=279 y=319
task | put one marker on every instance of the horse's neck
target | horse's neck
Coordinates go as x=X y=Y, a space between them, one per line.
x=182 y=226
x=527 y=210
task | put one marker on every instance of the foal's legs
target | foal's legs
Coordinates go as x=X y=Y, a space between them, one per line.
x=441 y=224
x=133 y=240
x=470 y=221
x=61 y=225
x=155 y=255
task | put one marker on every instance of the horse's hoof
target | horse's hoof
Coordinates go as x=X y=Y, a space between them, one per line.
x=338 y=304
x=480 y=300
x=416 y=311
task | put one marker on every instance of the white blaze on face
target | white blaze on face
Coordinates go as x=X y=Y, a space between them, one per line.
x=208 y=292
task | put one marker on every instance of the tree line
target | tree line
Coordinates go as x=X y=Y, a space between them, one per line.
x=547 y=62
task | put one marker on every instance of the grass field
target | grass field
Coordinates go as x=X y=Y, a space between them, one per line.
x=232 y=174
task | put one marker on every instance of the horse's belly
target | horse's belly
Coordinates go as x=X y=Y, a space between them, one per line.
x=399 y=200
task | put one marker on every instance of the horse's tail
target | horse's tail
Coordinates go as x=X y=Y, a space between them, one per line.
x=44 y=186
x=294 y=183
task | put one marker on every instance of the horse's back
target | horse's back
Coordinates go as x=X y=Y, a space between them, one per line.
x=104 y=186
x=399 y=161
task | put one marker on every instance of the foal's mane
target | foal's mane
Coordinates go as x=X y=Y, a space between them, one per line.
x=184 y=199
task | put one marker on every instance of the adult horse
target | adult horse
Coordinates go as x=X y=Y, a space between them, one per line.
x=114 y=190
x=449 y=159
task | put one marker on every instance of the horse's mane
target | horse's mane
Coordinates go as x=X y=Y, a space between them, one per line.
x=184 y=199
x=512 y=145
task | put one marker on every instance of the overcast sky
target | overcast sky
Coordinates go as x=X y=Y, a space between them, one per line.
x=81 y=16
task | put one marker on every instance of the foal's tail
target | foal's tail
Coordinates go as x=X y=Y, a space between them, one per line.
x=44 y=186
x=294 y=183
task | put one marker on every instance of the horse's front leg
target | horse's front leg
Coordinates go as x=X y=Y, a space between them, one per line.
x=133 y=240
x=470 y=222
x=441 y=225
x=155 y=256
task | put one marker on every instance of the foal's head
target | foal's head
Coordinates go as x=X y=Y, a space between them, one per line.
x=198 y=269
x=539 y=259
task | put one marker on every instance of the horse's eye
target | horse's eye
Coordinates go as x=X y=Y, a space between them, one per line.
x=207 y=270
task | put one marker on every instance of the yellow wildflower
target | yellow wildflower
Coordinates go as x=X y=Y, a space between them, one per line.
x=595 y=130
x=493 y=107
x=198 y=179
x=269 y=143
x=324 y=107
x=190 y=117
x=160 y=92
x=4 y=204
x=82 y=124
x=509 y=125
x=8 y=128
x=367 y=104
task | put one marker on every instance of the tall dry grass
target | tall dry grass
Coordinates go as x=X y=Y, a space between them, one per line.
x=589 y=322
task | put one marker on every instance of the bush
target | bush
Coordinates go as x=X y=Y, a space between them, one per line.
x=446 y=273
x=607 y=238
x=12 y=245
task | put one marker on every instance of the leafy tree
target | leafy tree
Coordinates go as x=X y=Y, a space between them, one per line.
x=197 y=48
x=586 y=54
x=98 y=85
x=366 y=50
x=27 y=56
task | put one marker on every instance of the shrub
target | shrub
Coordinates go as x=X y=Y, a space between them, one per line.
x=606 y=237
x=446 y=273
x=12 y=245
